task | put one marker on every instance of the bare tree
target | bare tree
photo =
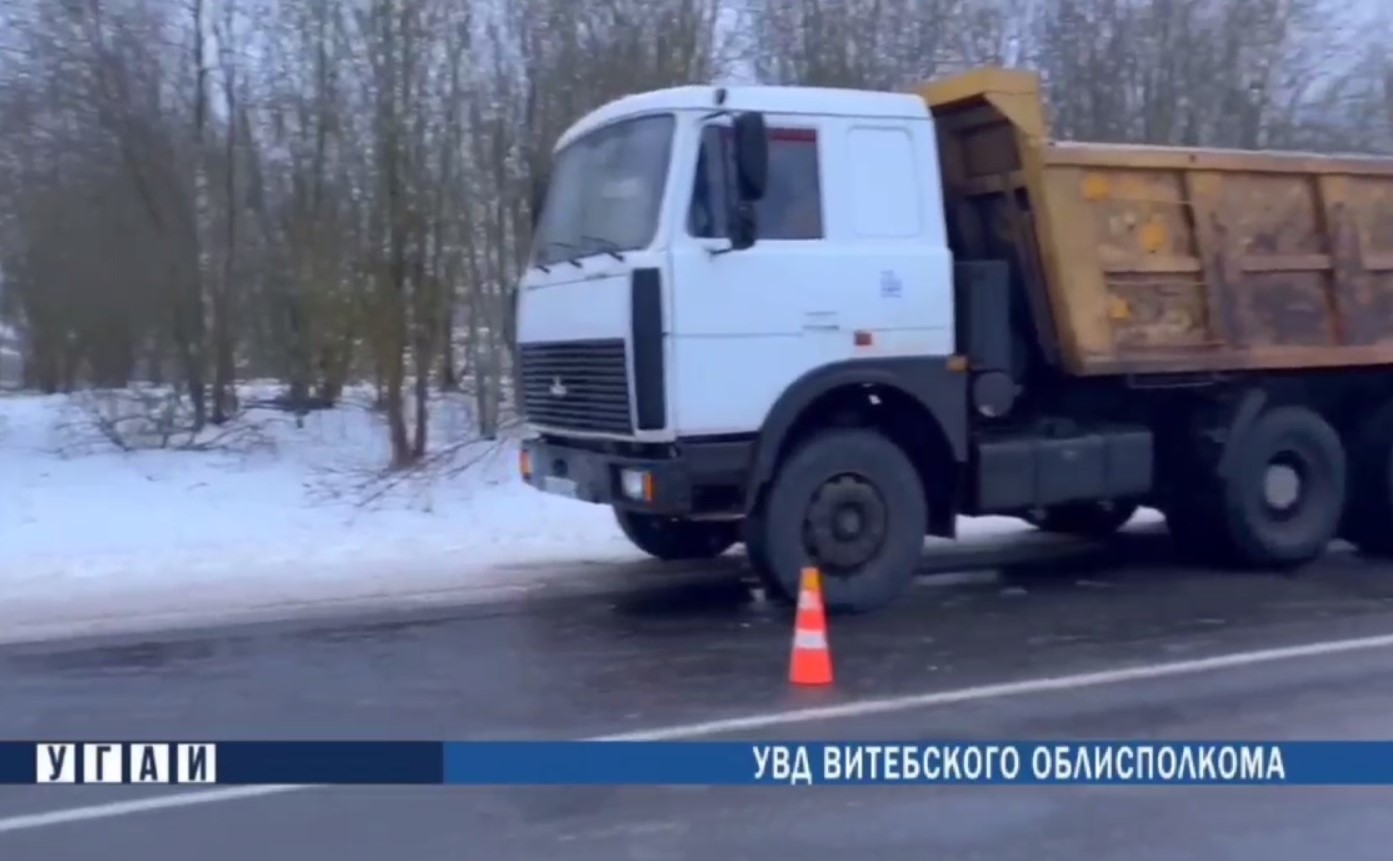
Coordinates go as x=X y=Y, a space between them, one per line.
x=1236 y=73
x=329 y=192
x=222 y=289
x=876 y=44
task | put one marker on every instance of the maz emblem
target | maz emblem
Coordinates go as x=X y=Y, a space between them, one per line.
x=558 y=388
x=890 y=285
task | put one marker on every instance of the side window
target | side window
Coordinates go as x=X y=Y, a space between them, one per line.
x=792 y=204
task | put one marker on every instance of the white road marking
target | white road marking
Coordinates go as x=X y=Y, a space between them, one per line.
x=144 y=805
x=860 y=708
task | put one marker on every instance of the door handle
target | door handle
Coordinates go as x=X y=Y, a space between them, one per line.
x=825 y=321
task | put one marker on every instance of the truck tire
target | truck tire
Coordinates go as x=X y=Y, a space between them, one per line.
x=1095 y=520
x=1368 y=519
x=850 y=502
x=675 y=538
x=756 y=537
x=1282 y=500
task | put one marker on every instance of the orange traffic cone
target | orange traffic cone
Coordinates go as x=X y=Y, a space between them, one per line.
x=812 y=659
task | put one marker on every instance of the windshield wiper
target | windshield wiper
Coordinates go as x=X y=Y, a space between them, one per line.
x=607 y=246
x=574 y=260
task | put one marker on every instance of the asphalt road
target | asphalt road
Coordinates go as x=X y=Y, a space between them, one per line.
x=706 y=652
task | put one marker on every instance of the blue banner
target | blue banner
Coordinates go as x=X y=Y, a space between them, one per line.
x=565 y=763
x=881 y=763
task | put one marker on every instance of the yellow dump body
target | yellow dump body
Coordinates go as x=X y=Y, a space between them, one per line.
x=1141 y=259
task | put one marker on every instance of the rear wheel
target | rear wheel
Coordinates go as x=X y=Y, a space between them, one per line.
x=1281 y=503
x=849 y=501
x=1085 y=519
x=674 y=538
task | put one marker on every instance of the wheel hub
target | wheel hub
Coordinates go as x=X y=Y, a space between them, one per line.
x=845 y=525
x=1282 y=486
x=848 y=523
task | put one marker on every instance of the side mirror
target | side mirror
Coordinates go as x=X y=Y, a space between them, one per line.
x=751 y=155
x=539 y=199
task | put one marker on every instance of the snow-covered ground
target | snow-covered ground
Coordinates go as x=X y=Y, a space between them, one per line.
x=94 y=536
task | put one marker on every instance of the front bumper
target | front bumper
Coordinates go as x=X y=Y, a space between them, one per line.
x=696 y=479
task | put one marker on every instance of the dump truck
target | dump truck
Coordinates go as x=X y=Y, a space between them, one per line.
x=827 y=323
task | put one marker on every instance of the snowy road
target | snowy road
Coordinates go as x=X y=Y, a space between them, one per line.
x=705 y=651
x=118 y=605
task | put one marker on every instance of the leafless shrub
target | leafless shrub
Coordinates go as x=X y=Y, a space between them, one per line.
x=150 y=418
x=368 y=484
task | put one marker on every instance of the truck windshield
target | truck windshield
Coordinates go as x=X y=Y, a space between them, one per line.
x=605 y=192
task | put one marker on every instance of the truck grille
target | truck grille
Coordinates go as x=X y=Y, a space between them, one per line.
x=595 y=380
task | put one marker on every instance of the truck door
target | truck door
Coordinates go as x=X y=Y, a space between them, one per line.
x=889 y=225
x=850 y=240
x=747 y=323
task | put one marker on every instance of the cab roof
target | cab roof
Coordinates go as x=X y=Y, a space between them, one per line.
x=823 y=101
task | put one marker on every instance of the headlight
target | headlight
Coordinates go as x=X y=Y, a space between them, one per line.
x=637 y=484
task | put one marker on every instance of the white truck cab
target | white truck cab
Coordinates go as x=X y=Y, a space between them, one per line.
x=633 y=258
x=742 y=322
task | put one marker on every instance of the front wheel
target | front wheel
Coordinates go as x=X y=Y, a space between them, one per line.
x=675 y=538
x=755 y=534
x=850 y=502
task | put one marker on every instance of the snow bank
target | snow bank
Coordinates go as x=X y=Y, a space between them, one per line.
x=93 y=535
x=83 y=522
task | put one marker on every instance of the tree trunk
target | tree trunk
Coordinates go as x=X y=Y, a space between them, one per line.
x=449 y=374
